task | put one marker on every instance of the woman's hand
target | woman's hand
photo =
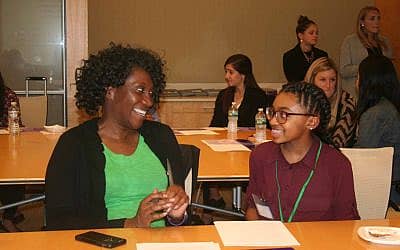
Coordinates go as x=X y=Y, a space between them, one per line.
x=153 y=207
x=178 y=200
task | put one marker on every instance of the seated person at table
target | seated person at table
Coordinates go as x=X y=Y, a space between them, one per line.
x=378 y=112
x=13 y=193
x=116 y=170
x=248 y=96
x=242 y=89
x=341 y=127
x=298 y=175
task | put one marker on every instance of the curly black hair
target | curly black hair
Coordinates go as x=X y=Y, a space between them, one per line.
x=109 y=68
x=315 y=101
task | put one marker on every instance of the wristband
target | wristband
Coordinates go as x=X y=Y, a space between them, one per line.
x=171 y=220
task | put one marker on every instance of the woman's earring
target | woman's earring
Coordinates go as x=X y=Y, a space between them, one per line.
x=301 y=40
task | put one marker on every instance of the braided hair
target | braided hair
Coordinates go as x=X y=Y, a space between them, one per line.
x=315 y=101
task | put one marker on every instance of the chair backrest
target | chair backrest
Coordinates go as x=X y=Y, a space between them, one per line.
x=33 y=111
x=190 y=163
x=372 y=173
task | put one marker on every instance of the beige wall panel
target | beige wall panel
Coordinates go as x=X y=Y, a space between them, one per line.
x=77 y=49
x=390 y=23
x=197 y=36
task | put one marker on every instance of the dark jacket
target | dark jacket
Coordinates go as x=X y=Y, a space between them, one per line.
x=253 y=99
x=379 y=126
x=295 y=65
x=75 y=178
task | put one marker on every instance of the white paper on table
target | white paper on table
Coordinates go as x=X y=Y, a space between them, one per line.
x=4 y=132
x=215 y=128
x=178 y=246
x=255 y=233
x=55 y=129
x=225 y=145
x=48 y=133
x=196 y=132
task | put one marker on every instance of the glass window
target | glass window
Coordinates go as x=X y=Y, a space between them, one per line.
x=32 y=45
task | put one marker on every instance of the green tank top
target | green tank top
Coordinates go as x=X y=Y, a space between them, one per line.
x=130 y=178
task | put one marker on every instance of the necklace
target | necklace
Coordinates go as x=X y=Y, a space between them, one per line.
x=302 y=190
x=309 y=56
x=238 y=98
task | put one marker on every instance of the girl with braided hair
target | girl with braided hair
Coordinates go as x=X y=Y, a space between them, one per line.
x=299 y=176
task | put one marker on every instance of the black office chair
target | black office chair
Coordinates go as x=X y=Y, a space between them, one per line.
x=190 y=163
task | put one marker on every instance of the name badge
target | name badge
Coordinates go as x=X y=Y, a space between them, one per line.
x=262 y=207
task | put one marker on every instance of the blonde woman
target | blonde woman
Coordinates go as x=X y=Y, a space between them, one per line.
x=341 y=127
x=366 y=41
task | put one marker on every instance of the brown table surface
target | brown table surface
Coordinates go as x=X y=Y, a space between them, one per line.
x=220 y=166
x=311 y=235
x=24 y=158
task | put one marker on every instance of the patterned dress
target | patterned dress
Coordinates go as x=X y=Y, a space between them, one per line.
x=343 y=133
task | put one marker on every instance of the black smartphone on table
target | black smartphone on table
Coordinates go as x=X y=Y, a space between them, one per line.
x=99 y=239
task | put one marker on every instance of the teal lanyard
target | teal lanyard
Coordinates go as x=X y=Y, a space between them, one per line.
x=300 y=196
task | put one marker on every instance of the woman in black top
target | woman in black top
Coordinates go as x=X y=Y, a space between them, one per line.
x=297 y=60
x=248 y=96
x=242 y=89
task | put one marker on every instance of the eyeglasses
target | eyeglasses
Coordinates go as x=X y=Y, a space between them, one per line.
x=281 y=116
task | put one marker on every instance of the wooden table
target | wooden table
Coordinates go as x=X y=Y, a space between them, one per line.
x=24 y=158
x=220 y=166
x=311 y=235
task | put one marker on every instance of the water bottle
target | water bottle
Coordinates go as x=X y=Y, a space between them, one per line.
x=13 y=119
x=232 y=118
x=261 y=126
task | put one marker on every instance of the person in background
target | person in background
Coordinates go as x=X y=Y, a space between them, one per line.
x=298 y=175
x=13 y=193
x=117 y=170
x=355 y=47
x=341 y=127
x=7 y=96
x=242 y=89
x=248 y=96
x=378 y=112
x=297 y=60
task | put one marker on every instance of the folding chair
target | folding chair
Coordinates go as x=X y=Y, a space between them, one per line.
x=372 y=174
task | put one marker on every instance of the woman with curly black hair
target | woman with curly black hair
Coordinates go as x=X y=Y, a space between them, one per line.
x=299 y=176
x=111 y=171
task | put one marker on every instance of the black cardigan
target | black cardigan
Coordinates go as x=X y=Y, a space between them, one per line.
x=75 y=178
x=295 y=64
x=253 y=99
